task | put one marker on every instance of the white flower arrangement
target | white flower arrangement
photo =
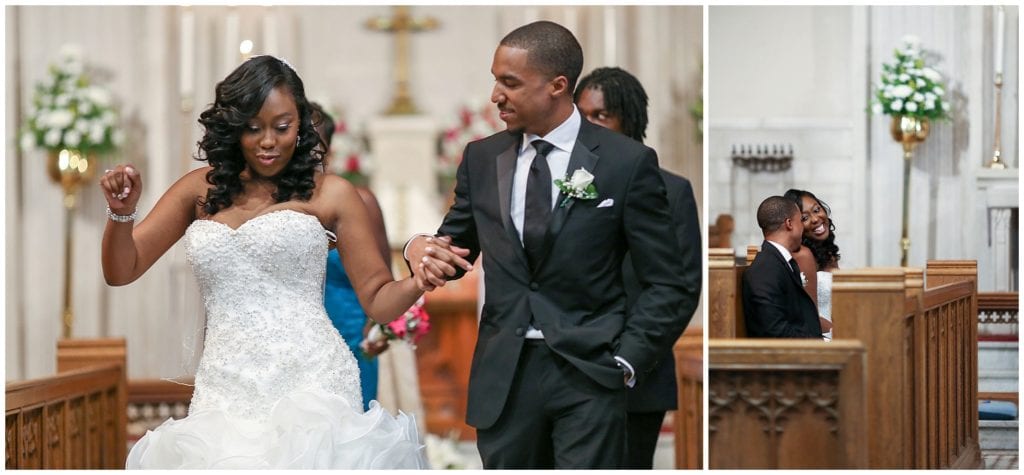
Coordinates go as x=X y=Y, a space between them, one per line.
x=69 y=112
x=908 y=87
x=472 y=122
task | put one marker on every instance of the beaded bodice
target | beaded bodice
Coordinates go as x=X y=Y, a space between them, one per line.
x=267 y=333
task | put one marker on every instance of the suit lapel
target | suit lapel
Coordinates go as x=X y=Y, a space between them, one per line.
x=789 y=270
x=506 y=166
x=582 y=157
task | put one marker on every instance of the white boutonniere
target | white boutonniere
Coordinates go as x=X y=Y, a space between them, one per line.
x=580 y=186
x=803 y=280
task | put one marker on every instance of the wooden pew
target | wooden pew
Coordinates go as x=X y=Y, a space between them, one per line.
x=921 y=348
x=786 y=404
x=725 y=299
x=689 y=418
x=75 y=419
x=921 y=344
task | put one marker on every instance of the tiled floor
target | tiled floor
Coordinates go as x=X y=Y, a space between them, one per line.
x=1000 y=460
x=664 y=454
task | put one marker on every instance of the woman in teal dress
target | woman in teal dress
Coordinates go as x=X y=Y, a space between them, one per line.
x=340 y=298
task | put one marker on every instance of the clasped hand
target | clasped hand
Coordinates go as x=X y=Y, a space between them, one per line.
x=434 y=259
x=122 y=188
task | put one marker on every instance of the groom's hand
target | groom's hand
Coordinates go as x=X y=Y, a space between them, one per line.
x=433 y=259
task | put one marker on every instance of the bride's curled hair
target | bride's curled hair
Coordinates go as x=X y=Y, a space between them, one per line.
x=239 y=97
x=826 y=252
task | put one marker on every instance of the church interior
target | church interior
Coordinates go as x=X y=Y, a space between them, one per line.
x=922 y=370
x=799 y=98
x=408 y=87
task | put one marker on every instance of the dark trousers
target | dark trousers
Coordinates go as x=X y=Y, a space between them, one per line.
x=642 y=430
x=555 y=417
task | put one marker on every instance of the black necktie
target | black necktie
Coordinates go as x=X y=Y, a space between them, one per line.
x=537 y=211
x=796 y=270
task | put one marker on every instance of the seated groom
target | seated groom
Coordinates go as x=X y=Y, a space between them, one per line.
x=774 y=301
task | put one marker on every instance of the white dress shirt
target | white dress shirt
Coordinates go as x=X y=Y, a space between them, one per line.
x=563 y=138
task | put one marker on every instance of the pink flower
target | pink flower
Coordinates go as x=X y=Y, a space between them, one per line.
x=352 y=164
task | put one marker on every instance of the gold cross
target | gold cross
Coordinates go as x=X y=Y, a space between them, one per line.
x=401 y=24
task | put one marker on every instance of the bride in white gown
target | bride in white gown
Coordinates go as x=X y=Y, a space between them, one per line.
x=276 y=386
x=819 y=239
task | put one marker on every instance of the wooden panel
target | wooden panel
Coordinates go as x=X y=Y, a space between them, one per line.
x=868 y=305
x=80 y=353
x=786 y=404
x=689 y=419
x=725 y=303
x=68 y=421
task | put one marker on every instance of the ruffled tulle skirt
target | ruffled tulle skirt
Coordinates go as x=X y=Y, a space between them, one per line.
x=304 y=430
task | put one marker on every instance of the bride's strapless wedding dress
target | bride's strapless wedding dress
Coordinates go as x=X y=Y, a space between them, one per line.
x=825 y=298
x=276 y=386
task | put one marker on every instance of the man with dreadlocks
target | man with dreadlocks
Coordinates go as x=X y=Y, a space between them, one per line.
x=613 y=98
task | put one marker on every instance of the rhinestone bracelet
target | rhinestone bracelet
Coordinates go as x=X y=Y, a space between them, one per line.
x=118 y=218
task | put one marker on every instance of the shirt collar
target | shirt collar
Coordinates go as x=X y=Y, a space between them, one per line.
x=562 y=137
x=786 y=255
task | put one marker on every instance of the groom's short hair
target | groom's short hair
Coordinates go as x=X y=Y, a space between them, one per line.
x=774 y=211
x=551 y=48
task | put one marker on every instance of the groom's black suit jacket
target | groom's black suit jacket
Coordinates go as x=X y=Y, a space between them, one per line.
x=658 y=392
x=775 y=303
x=576 y=294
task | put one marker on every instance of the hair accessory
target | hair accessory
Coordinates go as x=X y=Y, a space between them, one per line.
x=118 y=218
x=282 y=60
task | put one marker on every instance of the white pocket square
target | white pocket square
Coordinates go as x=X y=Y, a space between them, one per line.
x=606 y=203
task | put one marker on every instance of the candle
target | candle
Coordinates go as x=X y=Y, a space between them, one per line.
x=231 y=54
x=270 y=32
x=610 y=43
x=1000 y=25
x=186 y=55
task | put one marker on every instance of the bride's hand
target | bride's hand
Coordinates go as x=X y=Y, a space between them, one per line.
x=122 y=188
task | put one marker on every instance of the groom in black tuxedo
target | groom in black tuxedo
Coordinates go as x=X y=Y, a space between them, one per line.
x=556 y=350
x=774 y=301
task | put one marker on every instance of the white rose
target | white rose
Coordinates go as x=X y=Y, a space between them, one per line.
x=61 y=118
x=896 y=105
x=918 y=97
x=911 y=106
x=945 y=106
x=929 y=105
x=84 y=107
x=904 y=77
x=921 y=82
x=581 y=179
x=99 y=96
x=877 y=108
x=929 y=96
x=28 y=141
x=931 y=74
x=96 y=132
x=72 y=138
x=902 y=91
x=52 y=138
x=62 y=100
x=938 y=91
